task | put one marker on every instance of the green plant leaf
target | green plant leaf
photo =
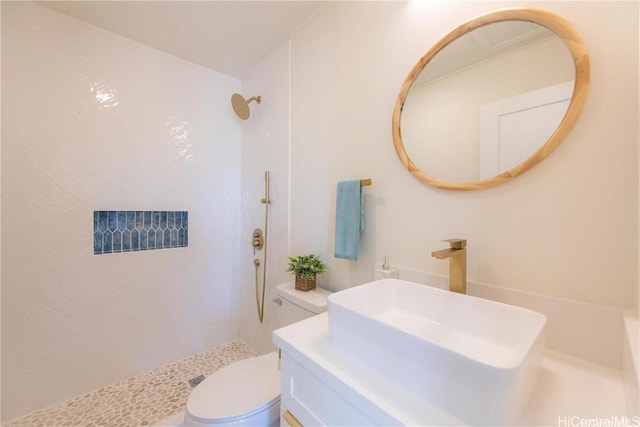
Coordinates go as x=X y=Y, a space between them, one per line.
x=306 y=265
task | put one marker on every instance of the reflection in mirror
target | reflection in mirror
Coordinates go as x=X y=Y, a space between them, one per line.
x=484 y=81
x=491 y=99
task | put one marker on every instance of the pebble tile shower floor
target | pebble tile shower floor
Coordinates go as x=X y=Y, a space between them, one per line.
x=142 y=400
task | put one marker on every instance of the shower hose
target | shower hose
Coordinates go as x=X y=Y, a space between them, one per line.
x=256 y=262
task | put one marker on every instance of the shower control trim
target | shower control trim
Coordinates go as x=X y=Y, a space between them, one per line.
x=257 y=240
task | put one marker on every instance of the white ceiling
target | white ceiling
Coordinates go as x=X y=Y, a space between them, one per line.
x=226 y=36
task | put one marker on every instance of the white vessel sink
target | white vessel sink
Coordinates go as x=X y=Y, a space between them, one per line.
x=477 y=359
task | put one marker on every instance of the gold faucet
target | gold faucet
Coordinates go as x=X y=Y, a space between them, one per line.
x=457 y=251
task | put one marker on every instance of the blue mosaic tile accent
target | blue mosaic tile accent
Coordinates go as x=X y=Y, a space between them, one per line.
x=129 y=231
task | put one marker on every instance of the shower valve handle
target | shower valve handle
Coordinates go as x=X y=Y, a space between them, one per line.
x=257 y=240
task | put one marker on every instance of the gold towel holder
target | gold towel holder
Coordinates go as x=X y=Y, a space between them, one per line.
x=365 y=182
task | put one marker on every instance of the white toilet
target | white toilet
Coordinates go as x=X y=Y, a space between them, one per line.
x=247 y=392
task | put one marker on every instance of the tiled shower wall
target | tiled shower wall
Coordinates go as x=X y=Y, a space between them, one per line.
x=93 y=121
x=265 y=146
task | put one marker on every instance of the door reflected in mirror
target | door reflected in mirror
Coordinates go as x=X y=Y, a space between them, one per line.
x=491 y=99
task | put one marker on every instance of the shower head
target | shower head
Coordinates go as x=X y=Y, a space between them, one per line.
x=241 y=105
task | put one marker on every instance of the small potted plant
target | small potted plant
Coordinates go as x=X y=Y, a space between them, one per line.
x=306 y=267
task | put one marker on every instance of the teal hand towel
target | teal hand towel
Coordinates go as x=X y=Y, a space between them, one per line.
x=349 y=221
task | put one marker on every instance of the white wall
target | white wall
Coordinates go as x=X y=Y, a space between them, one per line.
x=567 y=228
x=165 y=140
x=265 y=146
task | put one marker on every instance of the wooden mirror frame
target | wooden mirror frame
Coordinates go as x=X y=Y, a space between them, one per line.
x=553 y=22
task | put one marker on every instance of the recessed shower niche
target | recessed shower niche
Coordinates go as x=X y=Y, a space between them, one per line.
x=127 y=231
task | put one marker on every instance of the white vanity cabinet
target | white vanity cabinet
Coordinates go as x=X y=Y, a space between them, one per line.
x=320 y=385
x=312 y=402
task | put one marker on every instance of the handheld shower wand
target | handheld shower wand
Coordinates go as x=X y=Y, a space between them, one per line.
x=262 y=245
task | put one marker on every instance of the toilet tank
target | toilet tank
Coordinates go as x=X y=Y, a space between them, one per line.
x=299 y=305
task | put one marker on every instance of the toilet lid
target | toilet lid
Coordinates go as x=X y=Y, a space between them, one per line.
x=237 y=390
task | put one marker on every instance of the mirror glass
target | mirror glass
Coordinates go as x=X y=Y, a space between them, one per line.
x=484 y=102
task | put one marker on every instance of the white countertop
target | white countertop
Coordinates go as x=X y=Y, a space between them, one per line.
x=568 y=387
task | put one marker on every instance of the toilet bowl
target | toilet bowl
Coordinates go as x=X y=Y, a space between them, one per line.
x=247 y=392
x=244 y=393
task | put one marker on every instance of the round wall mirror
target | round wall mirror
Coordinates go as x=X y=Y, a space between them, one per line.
x=491 y=99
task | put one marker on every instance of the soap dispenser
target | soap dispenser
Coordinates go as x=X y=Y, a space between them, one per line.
x=384 y=271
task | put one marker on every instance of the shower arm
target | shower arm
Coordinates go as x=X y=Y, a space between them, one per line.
x=258 y=99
